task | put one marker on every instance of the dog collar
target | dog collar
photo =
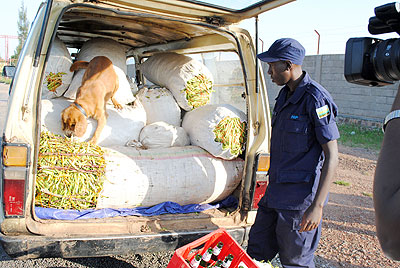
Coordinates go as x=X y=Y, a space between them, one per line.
x=80 y=108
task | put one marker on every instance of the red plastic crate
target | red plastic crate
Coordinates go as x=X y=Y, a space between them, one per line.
x=188 y=252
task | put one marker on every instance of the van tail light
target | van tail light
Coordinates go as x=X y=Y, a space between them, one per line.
x=261 y=179
x=14 y=165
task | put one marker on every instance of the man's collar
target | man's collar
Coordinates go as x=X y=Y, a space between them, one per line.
x=80 y=108
x=300 y=89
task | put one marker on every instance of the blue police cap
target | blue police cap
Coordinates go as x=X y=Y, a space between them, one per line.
x=284 y=49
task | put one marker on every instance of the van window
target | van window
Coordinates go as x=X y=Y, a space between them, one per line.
x=228 y=77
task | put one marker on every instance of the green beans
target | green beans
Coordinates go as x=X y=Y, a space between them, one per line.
x=53 y=81
x=198 y=91
x=70 y=174
x=231 y=133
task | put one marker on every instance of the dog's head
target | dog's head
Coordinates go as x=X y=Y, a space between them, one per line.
x=73 y=122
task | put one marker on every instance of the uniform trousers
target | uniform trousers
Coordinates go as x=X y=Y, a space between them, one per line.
x=277 y=231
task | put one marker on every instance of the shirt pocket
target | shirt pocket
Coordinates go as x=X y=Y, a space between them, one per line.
x=295 y=136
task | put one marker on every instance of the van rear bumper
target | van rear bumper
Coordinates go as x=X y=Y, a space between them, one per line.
x=33 y=246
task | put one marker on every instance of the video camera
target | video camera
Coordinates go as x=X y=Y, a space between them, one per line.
x=373 y=61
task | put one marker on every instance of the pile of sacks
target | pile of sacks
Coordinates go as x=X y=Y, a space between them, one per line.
x=152 y=119
x=165 y=119
x=220 y=129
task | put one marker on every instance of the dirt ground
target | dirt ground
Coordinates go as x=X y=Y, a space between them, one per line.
x=348 y=233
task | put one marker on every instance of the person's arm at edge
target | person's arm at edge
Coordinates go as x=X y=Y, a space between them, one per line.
x=312 y=216
x=387 y=188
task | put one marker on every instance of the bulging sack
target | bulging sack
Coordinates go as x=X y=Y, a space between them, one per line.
x=218 y=129
x=57 y=76
x=122 y=125
x=160 y=105
x=189 y=80
x=185 y=175
x=116 y=53
x=163 y=135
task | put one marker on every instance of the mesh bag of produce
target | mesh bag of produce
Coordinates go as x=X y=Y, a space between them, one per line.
x=70 y=175
x=57 y=76
x=160 y=105
x=189 y=80
x=218 y=129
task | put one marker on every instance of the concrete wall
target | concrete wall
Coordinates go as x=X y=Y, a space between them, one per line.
x=354 y=101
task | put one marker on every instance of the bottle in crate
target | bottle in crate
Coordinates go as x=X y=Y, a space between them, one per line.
x=227 y=261
x=217 y=264
x=205 y=259
x=195 y=261
x=216 y=251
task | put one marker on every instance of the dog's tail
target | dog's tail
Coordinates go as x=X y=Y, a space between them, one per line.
x=80 y=64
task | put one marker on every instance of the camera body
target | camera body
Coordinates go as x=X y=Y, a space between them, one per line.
x=372 y=61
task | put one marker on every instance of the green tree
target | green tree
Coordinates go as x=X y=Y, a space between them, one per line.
x=23 y=28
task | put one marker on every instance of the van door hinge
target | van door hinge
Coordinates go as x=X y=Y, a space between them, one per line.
x=215 y=20
x=256 y=127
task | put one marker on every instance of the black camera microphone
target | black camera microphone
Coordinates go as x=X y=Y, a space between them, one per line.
x=388 y=14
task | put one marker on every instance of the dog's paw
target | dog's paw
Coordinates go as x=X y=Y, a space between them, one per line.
x=118 y=106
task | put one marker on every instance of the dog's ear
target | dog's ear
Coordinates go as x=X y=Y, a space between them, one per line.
x=64 y=119
x=67 y=119
x=80 y=125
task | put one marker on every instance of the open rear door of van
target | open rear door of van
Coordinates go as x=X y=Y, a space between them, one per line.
x=220 y=12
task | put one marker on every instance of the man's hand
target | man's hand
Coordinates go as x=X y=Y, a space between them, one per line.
x=311 y=219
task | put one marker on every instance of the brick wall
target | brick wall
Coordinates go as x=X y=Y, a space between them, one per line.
x=355 y=102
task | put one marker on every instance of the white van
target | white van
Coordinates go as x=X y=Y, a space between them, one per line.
x=202 y=30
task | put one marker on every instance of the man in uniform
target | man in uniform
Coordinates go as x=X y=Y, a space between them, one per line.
x=304 y=157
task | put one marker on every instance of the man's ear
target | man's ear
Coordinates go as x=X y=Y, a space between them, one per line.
x=288 y=65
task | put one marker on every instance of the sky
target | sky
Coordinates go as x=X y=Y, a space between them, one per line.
x=335 y=20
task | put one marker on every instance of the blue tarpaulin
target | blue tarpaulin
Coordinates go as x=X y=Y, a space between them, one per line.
x=162 y=208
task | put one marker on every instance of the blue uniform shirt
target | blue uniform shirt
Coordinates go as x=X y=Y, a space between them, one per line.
x=300 y=125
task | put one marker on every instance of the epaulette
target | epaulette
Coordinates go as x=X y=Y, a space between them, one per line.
x=316 y=90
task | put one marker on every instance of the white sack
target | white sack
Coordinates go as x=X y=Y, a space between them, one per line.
x=185 y=175
x=122 y=125
x=116 y=53
x=163 y=135
x=172 y=70
x=160 y=105
x=200 y=124
x=58 y=61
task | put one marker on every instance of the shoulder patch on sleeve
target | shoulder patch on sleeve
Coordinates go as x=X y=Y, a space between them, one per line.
x=323 y=111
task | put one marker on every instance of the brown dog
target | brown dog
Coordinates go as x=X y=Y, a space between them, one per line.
x=99 y=84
